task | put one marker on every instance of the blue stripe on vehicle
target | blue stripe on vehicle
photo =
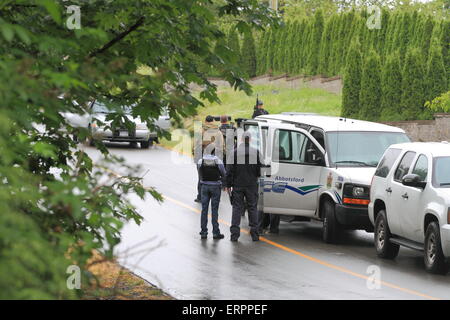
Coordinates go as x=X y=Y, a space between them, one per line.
x=303 y=193
x=338 y=197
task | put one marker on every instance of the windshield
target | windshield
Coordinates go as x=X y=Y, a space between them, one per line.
x=441 y=172
x=100 y=107
x=360 y=149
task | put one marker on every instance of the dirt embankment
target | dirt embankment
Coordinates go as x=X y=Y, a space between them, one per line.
x=333 y=85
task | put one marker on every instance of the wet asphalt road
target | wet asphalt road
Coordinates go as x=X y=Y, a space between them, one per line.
x=166 y=250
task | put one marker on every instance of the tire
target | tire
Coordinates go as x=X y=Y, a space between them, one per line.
x=434 y=258
x=382 y=235
x=331 y=229
x=133 y=144
x=146 y=144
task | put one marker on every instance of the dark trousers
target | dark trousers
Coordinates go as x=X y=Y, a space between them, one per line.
x=199 y=190
x=266 y=220
x=241 y=196
x=210 y=194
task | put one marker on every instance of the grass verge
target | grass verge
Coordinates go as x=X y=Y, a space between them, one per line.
x=117 y=283
x=277 y=99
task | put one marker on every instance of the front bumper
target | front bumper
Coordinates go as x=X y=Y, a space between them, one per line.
x=122 y=135
x=445 y=239
x=353 y=217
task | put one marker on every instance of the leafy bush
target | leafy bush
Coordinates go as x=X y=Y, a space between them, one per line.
x=56 y=204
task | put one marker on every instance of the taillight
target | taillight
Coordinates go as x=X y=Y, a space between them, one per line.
x=448 y=216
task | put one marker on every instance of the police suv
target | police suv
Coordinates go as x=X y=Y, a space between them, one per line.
x=410 y=202
x=319 y=167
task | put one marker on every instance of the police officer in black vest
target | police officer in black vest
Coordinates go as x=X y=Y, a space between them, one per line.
x=242 y=179
x=211 y=171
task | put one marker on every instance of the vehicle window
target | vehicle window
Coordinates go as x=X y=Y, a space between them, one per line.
x=387 y=162
x=283 y=145
x=293 y=147
x=253 y=130
x=404 y=166
x=100 y=107
x=360 y=148
x=306 y=154
x=421 y=168
x=265 y=133
x=299 y=142
x=319 y=137
x=441 y=172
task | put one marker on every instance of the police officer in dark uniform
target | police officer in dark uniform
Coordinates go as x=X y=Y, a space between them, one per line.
x=242 y=179
x=259 y=109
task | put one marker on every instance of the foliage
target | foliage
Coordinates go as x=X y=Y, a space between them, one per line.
x=441 y=103
x=391 y=95
x=436 y=73
x=57 y=205
x=248 y=54
x=277 y=99
x=318 y=40
x=370 y=94
x=413 y=86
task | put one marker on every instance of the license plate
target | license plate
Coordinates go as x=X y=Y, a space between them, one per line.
x=123 y=134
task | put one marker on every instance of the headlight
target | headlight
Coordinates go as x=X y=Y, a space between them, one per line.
x=356 y=195
x=358 y=192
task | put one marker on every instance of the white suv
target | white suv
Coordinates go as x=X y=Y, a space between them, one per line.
x=410 y=202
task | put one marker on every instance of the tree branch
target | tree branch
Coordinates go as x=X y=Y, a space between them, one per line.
x=118 y=38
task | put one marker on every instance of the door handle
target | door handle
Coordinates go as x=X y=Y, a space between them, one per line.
x=405 y=196
x=389 y=190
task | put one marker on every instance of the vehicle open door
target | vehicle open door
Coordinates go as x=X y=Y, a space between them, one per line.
x=296 y=160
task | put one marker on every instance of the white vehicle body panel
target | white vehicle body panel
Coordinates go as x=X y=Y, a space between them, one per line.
x=297 y=189
x=406 y=216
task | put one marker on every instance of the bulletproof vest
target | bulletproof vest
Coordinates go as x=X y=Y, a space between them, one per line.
x=210 y=170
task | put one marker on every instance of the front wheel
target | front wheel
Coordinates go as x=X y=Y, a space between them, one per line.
x=434 y=257
x=331 y=229
x=147 y=144
x=382 y=235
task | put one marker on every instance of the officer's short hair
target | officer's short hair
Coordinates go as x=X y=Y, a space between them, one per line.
x=223 y=119
x=209 y=119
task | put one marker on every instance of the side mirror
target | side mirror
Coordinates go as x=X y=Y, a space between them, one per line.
x=314 y=156
x=413 y=180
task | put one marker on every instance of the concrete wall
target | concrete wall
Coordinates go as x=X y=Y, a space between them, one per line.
x=427 y=130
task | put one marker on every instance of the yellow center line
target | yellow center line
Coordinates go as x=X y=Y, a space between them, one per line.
x=310 y=258
x=300 y=254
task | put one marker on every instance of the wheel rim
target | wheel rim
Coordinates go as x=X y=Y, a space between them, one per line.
x=431 y=249
x=381 y=235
